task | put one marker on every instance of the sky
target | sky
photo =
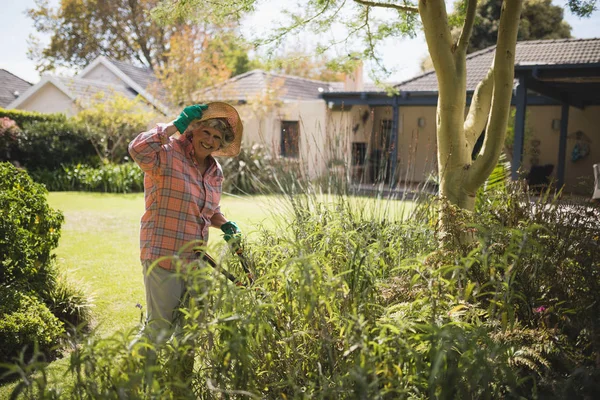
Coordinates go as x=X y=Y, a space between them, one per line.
x=403 y=55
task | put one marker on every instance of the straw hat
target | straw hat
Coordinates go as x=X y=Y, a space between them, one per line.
x=224 y=110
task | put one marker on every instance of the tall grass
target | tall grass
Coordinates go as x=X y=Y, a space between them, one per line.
x=353 y=300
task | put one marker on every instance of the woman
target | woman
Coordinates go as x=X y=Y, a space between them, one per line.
x=182 y=191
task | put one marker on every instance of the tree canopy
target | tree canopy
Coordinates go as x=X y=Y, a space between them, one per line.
x=540 y=19
x=82 y=30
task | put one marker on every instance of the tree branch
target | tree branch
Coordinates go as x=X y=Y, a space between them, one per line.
x=479 y=109
x=465 y=35
x=387 y=5
x=439 y=41
x=504 y=72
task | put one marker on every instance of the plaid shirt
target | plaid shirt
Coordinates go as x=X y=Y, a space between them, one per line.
x=180 y=201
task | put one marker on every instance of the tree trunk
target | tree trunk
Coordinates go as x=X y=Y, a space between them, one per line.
x=460 y=177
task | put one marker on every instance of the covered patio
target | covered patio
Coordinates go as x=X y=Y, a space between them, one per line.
x=560 y=73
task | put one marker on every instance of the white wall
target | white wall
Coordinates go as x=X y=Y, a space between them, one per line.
x=264 y=127
x=49 y=99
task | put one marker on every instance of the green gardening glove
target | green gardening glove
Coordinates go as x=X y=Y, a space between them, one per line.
x=189 y=114
x=232 y=233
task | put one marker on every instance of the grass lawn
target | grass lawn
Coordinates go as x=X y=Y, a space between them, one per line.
x=99 y=247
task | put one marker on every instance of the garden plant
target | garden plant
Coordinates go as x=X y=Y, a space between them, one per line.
x=353 y=301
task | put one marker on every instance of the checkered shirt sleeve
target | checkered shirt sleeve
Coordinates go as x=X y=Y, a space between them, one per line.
x=179 y=200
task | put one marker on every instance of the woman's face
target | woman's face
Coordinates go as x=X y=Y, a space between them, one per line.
x=205 y=140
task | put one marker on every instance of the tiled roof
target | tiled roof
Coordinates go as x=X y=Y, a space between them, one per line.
x=253 y=84
x=85 y=89
x=144 y=77
x=535 y=52
x=11 y=86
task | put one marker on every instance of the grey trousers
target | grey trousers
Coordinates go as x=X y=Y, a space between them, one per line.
x=164 y=292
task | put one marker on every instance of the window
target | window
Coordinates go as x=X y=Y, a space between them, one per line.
x=386 y=134
x=359 y=153
x=290 y=132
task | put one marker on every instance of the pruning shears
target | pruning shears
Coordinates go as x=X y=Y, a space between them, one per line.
x=245 y=265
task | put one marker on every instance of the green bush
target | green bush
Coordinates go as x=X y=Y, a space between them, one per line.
x=109 y=178
x=351 y=304
x=29 y=231
x=45 y=141
x=556 y=265
x=23 y=117
x=46 y=145
x=26 y=322
x=251 y=172
x=69 y=302
x=36 y=302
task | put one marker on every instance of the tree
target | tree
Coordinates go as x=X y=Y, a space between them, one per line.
x=539 y=20
x=302 y=63
x=82 y=30
x=111 y=121
x=196 y=61
x=369 y=22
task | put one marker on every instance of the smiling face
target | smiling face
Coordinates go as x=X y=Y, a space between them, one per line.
x=205 y=140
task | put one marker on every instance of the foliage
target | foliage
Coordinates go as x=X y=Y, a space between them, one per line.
x=69 y=302
x=540 y=19
x=25 y=323
x=22 y=117
x=559 y=278
x=8 y=137
x=108 y=178
x=82 y=30
x=352 y=304
x=45 y=145
x=35 y=302
x=29 y=231
x=111 y=121
x=301 y=63
x=248 y=173
x=198 y=59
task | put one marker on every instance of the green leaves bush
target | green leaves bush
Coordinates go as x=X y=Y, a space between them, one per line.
x=35 y=303
x=29 y=230
x=44 y=142
x=353 y=304
x=27 y=324
x=108 y=178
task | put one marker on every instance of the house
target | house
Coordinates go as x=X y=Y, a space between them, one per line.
x=557 y=123
x=382 y=138
x=286 y=113
x=55 y=94
x=11 y=87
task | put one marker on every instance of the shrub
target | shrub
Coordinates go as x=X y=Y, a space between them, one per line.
x=23 y=117
x=111 y=121
x=352 y=304
x=8 y=138
x=29 y=281
x=109 y=178
x=29 y=230
x=46 y=145
x=26 y=322
x=249 y=173
x=69 y=302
